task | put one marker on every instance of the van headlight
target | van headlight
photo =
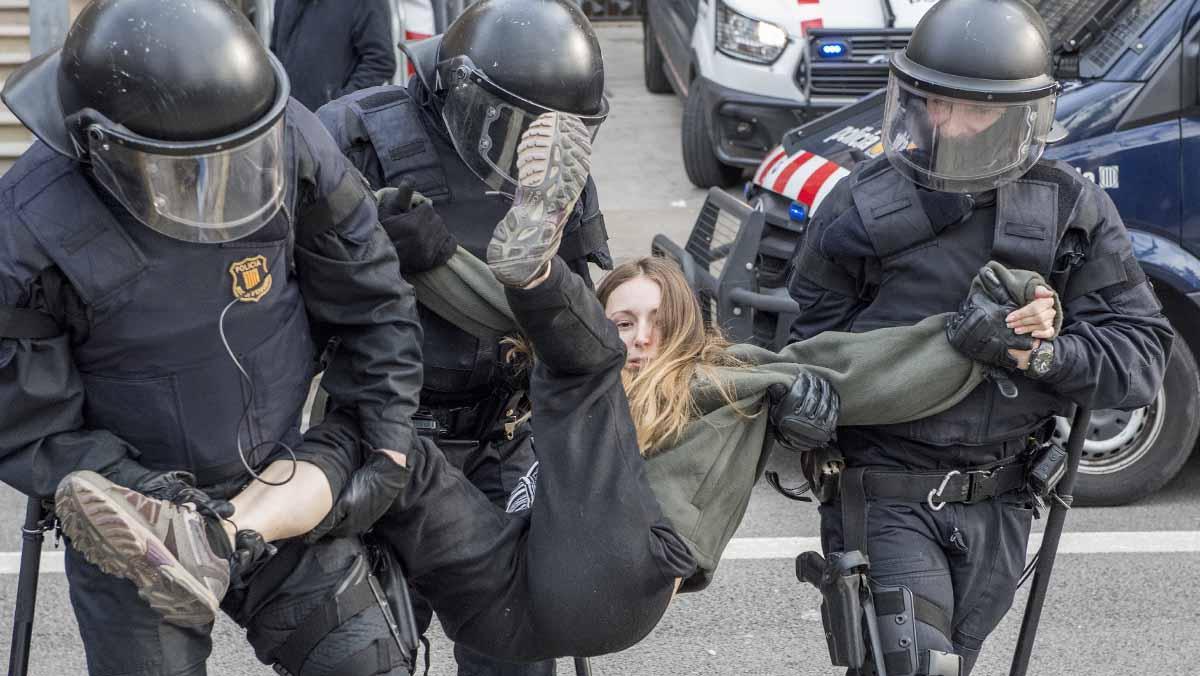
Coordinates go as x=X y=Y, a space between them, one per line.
x=748 y=39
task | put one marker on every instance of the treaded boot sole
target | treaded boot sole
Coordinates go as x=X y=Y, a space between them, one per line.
x=554 y=160
x=102 y=529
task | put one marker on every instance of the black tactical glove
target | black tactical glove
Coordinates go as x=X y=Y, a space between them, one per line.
x=979 y=330
x=804 y=416
x=250 y=553
x=371 y=490
x=176 y=486
x=421 y=239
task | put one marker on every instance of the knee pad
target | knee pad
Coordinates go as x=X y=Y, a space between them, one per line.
x=898 y=611
x=354 y=632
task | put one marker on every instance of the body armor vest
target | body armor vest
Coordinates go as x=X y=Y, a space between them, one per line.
x=153 y=365
x=389 y=137
x=925 y=267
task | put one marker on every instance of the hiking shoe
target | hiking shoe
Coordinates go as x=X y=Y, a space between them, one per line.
x=553 y=162
x=162 y=548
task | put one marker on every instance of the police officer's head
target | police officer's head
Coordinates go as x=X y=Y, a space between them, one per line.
x=177 y=107
x=970 y=102
x=504 y=62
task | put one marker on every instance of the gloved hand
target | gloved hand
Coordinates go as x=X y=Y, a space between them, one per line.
x=250 y=553
x=804 y=416
x=175 y=486
x=421 y=239
x=980 y=330
x=371 y=490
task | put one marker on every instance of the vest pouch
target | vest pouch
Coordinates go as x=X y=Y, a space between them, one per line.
x=144 y=412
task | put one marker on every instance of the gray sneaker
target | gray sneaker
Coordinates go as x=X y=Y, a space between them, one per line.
x=161 y=547
x=553 y=162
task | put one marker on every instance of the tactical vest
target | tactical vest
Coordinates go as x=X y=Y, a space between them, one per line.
x=388 y=136
x=153 y=366
x=925 y=267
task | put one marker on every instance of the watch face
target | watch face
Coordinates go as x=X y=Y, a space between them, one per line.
x=1041 y=360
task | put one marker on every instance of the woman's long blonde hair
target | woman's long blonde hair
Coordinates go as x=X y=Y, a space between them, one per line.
x=660 y=394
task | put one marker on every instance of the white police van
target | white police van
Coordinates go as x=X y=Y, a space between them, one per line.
x=752 y=69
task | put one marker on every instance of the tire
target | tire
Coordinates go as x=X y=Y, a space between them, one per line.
x=1129 y=455
x=701 y=163
x=654 y=66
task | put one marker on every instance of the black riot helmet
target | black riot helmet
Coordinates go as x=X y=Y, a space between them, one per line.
x=504 y=62
x=175 y=104
x=970 y=102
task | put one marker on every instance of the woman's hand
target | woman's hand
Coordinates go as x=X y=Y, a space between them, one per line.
x=1036 y=318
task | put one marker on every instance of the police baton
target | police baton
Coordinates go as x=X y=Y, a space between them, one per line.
x=1054 y=526
x=36 y=524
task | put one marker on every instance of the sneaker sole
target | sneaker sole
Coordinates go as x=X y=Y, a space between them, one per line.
x=529 y=234
x=100 y=528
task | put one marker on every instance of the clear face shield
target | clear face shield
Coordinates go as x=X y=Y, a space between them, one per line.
x=957 y=145
x=211 y=197
x=486 y=122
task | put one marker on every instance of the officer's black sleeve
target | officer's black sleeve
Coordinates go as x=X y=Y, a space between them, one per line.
x=1113 y=349
x=373 y=45
x=42 y=432
x=350 y=279
x=824 y=271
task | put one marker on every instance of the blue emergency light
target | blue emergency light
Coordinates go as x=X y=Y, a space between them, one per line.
x=797 y=212
x=832 y=50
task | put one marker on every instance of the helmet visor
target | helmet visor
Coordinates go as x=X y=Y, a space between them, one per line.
x=213 y=197
x=485 y=122
x=954 y=145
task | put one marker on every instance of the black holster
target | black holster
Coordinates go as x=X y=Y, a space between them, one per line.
x=846 y=606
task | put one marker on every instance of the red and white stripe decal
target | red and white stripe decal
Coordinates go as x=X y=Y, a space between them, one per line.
x=805 y=177
x=413 y=36
x=769 y=163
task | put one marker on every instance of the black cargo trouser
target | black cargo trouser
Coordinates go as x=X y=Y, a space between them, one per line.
x=589 y=569
x=966 y=558
x=494 y=467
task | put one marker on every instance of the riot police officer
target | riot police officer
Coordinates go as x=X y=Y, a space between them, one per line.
x=177 y=246
x=940 y=505
x=451 y=135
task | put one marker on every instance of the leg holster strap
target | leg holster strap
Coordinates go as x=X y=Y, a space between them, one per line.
x=331 y=614
x=892 y=603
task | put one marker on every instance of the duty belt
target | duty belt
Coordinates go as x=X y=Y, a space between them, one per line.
x=934 y=488
x=938 y=488
x=483 y=420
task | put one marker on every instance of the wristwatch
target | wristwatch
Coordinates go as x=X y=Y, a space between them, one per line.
x=1040 y=360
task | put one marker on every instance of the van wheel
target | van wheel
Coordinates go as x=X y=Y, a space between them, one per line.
x=1130 y=454
x=703 y=167
x=654 y=66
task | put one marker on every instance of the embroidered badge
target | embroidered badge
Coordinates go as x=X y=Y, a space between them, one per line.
x=251 y=279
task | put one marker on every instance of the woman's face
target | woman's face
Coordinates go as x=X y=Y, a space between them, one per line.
x=633 y=307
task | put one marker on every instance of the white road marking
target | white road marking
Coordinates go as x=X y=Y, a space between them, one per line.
x=1147 y=542
x=1151 y=542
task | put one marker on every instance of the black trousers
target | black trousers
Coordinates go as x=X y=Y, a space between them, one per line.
x=494 y=467
x=967 y=559
x=590 y=568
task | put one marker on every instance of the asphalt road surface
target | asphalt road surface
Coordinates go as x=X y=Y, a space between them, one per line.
x=1124 y=598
